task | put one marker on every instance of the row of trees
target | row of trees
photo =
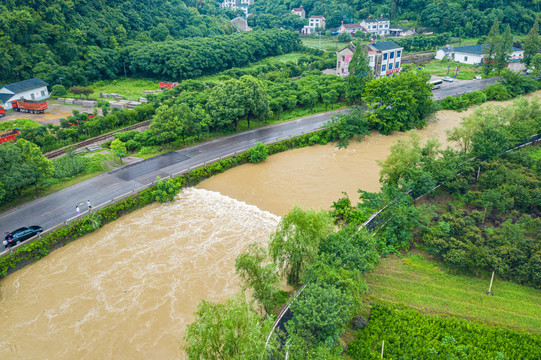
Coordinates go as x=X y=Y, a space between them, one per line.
x=190 y=58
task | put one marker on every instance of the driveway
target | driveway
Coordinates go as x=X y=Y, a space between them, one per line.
x=52 y=115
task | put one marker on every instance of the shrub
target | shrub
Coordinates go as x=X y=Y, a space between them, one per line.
x=58 y=90
x=68 y=166
x=258 y=153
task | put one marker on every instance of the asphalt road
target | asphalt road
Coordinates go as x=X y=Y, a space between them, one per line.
x=60 y=206
x=459 y=87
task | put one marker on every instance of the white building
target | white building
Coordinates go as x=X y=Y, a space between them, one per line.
x=240 y=24
x=385 y=58
x=31 y=89
x=299 y=11
x=238 y=4
x=351 y=28
x=379 y=26
x=314 y=23
x=473 y=54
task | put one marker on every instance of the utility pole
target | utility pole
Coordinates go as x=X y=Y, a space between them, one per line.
x=490 y=287
x=126 y=76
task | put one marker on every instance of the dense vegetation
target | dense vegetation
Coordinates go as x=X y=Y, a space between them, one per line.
x=77 y=39
x=468 y=18
x=437 y=338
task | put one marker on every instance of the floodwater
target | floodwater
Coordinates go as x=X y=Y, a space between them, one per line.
x=316 y=176
x=128 y=290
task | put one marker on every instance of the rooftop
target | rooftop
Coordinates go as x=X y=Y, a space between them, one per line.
x=473 y=49
x=317 y=17
x=25 y=85
x=375 y=20
x=386 y=45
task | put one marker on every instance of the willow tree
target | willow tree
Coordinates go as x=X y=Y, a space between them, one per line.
x=295 y=244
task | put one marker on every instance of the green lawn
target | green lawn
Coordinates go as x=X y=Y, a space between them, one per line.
x=426 y=285
x=19 y=124
x=130 y=88
x=439 y=68
x=329 y=43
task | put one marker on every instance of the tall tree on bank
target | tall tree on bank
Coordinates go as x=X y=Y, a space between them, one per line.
x=490 y=46
x=532 y=43
x=360 y=74
x=504 y=50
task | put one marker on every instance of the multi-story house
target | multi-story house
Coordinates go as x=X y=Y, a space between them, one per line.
x=238 y=4
x=385 y=58
x=315 y=22
x=378 y=26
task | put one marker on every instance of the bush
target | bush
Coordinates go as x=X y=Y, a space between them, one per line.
x=497 y=92
x=58 y=90
x=68 y=166
x=258 y=153
x=344 y=37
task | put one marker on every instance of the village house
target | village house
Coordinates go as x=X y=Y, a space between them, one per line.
x=399 y=31
x=299 y=11
x=31 y=89
x=240 y=24
x=314 y=23
x=351 y=28
x=238 y=4
x=378 y=26
x=473 y=54
x=385 y=58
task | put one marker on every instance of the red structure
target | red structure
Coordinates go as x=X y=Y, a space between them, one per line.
x=29 y=106
x=8 y=135
x=167 y=85
x=2 y=112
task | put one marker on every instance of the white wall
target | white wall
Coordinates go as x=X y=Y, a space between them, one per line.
x=28 y=96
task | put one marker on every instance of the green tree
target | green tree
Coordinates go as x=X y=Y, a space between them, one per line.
x=260 y=277
x=230 y=331
x=532 y=43
x=344 y=37
x=321 y=312
x=398 y=103
x=490 y=48
x=258 y=152
x=504 y=50
x=118 y=148
x=360 y=74
x=58 y=90
x=226 y=104
x=256 y=101
x=171 y=122
x=41 y=167
x=295 y=244
x=165 y=190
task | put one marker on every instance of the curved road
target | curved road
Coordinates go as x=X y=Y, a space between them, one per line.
x=60 y=206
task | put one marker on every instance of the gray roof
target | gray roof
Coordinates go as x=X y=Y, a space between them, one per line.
x=375 y=20
x=386 y=45
x=5 y=97
x=25 y=85
x=473 y=49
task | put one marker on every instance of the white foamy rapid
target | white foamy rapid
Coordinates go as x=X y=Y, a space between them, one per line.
x=128 y=290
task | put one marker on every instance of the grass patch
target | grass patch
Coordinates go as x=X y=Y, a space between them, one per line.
x=328 y=43
x=427 y=285
x=439 y=68
x=19 y=124
x=130 y=88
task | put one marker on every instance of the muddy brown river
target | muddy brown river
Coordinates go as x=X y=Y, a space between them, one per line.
x=128 y=290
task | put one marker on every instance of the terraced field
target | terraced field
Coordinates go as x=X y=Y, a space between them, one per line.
x=424 y=284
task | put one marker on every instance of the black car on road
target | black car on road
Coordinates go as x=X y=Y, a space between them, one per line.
x=17 y=236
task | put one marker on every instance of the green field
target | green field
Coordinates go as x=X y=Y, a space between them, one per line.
x=426 y=285
x=328 y=43
x=439 y=68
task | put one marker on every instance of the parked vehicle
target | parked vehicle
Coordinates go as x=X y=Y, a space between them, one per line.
x=2 y=112
x=167 y=85
x=448 y=79
x=436 y=84
x=9 y=135
x=18 y=236
x=29 y=106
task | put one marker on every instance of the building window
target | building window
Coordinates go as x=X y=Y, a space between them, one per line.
x=42 y=93
x=385 y=56
x=397 y=65
x=32 y=96
x=383 y=67
x=398 y=53
x=391 y=55
x=380 y=26
x=386 y=25
x=465 y=58
x=390 y=66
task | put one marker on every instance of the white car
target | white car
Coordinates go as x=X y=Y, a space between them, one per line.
x=448 y=79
